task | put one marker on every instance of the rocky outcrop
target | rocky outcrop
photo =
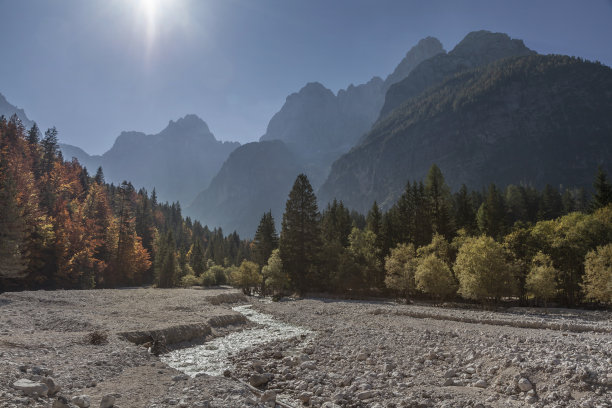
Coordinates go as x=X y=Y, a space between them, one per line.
x=7 y=110
x=536 y=120
x=477 y=49
x=178 y=162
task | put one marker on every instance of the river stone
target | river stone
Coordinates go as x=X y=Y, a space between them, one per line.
x=61 y=402
x=481 y=384
x=81 y=401
x=365 y=394
x=305 y=397
x=269 y=395
x=107 y=401
x=329 y=404
x=308 y=365
x=53 y=387
x=30 y=387
x=524 y=384
x=258 y=379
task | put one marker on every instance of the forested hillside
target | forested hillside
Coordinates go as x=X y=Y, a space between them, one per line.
x=60 y=227
x=534 y=120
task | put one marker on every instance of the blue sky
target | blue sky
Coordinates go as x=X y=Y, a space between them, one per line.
x=94 y=68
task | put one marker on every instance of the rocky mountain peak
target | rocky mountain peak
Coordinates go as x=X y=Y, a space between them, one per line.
x=493 y=45
x=424 y=49
x=189 y=125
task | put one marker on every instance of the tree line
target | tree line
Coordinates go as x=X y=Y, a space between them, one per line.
x=537 y=246
x=60 y=227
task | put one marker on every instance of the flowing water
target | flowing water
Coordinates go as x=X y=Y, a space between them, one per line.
x=213 y=357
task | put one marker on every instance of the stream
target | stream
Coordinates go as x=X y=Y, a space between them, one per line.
x=213 y=357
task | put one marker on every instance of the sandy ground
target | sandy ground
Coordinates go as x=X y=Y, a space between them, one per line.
x=360 y=354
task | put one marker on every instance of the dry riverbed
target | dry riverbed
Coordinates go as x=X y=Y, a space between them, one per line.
x=344 y=353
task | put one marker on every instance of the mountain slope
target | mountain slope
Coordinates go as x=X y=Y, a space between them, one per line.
x=477 y=49
x=179 y=161
x=534 y=119
x=315 y=127
x=266 y=182
x=7 y=110
x=319 y=126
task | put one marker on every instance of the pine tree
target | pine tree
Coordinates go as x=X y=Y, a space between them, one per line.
x=196 y=258
x=99 y=177
x=266 y=239
x=300 y=242
x=492 y=217
x=374 y=219
x=439 y=202
x=465 y=217
x=603 y=190
x=551 y=205
x=336 y=223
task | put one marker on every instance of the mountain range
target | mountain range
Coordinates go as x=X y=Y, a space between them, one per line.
x=489 y=110
x=178 y=162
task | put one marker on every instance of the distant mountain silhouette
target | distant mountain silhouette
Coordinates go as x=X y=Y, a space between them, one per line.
x=179 y=161
x=316 y=126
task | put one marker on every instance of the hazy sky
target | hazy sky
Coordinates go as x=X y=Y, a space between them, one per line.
x=96 y=67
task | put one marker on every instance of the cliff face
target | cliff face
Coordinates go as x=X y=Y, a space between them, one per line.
x=534 y=119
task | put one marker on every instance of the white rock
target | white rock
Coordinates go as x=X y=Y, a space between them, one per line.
x=30 y=387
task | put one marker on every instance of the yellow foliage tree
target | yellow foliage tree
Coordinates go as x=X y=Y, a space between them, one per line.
x=598 y=274
x=400 y=267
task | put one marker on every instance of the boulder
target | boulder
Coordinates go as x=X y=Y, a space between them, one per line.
x=107 y=401
x=524 y=384
x=81 y=401
x=257 y=380
x=30 y=387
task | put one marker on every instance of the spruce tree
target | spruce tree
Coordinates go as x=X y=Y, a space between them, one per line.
x=439 y=202
x=300 y=242
x=465 y=216
x=266 y=239
x=336 y=223
x=492 y=217
x=374 y=219
x=603 y=190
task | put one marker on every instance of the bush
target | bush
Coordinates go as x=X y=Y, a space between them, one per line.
x=598 y=274
x=96 y=338
x=482 y=270
x=433 y=276
x=190 y=280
